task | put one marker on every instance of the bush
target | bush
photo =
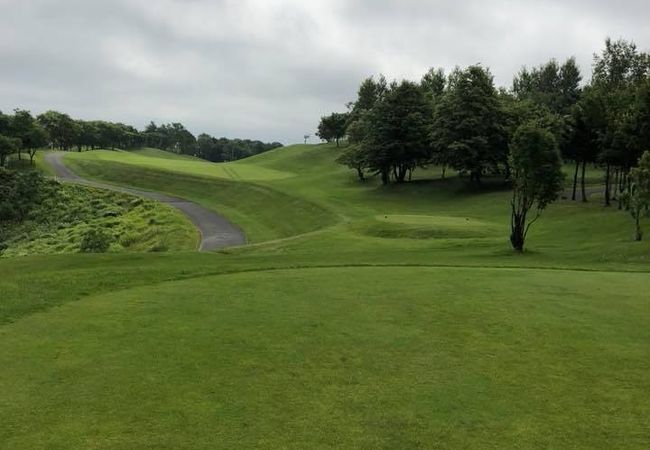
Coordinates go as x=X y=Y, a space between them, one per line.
x=95 y=241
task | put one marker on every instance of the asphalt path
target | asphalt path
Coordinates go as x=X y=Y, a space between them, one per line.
x=216 y=231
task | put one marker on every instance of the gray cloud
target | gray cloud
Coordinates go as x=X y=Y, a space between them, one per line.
x=269 y=69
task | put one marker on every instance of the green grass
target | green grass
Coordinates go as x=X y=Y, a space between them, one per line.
x=262 y=212
x=388 y=358
x=133 y=224
x=167 y=161
x=361 y=317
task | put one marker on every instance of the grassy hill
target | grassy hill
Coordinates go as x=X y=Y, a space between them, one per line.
x=361 y=317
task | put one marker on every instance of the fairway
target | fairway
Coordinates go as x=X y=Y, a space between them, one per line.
x=390 y=357
x=151 y=158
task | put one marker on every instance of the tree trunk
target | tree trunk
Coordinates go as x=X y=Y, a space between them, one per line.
x=360 y=174
x=517 y=230
x=385 y=176
x=575 y=180
x=400 y=173
x=607 y=185
x=582 y=181
x=20 y=154
x=444 y=172
x=638 y=234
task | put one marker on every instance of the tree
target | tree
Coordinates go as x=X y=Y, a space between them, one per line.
x=589 y=123
x=619 y=74
x=63 y=130
x=553 y=85
x=354 y=158
x=433 y=84
x=537 y=178
x=468 y=125
x=36 y=138
x=638 y=197
x=8 y=146
x=332 y=127
x=397 y=132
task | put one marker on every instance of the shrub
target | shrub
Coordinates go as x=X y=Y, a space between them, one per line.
x=95 y=241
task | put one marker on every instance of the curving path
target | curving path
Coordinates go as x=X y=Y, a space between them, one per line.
x=216 y=231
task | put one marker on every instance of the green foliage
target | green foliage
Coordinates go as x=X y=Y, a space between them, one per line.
x=554 y=86
x=537 y=178
x=63 y=214
x=397 y=132
x=354 y=157
x=95 y=241
x=20 y=192
x=433 y=84
x=8 y=146
x=223 y=149
x=469 y=132
x=638 y=198
x=332 y=127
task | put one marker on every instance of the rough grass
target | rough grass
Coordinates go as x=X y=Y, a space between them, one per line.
x=134 y=224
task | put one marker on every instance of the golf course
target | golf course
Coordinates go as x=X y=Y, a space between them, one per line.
x=352 y=315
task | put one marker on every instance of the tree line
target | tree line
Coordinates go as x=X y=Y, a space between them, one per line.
x=463 y=122
x=21 y=132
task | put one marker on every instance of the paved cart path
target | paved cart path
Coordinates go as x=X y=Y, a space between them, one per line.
x=216 y=231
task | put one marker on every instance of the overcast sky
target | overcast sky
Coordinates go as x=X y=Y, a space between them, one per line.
x=268 y=69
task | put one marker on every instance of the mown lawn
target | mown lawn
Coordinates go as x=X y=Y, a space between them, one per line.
x=344 y=357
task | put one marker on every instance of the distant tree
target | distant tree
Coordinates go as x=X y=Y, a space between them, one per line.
x=638 y=197
x=433 y=84
x=469 y=132
x=619 y=74
x=63 y=130
x=31 y=134
x=553 y=85
x=369 y=93
x=397 y=132
x=354 y=158
x=589 y=119
x=537 y=178
x=8 y=146
x=36 y=138
x=332 y=127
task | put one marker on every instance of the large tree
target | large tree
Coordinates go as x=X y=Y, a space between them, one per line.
x=397 y=132
x=62 y=129
x=537 y=178
x=468 y=131
x=553 y=85
x=333 y=127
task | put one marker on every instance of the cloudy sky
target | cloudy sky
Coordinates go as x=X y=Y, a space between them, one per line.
x=268 y=69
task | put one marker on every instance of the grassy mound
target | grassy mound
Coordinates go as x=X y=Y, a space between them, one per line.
x=262 y=212
x=160 y=160
x=425 y=227
x=69 y=212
